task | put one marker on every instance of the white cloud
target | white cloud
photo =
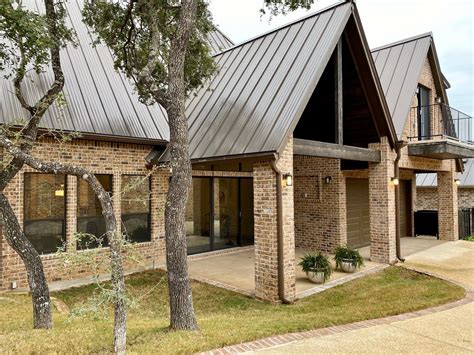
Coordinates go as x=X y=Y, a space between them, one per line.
x=451 y=22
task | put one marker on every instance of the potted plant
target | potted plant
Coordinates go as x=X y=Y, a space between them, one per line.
x=348 y=259
x=317 y=267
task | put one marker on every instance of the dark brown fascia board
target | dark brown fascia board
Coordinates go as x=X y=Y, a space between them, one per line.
x=335 y=151
x=236 y=158
x=103 y=137
x=382 y=113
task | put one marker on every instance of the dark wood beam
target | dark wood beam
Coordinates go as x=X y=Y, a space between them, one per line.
x=336 y=151
x=338 y=93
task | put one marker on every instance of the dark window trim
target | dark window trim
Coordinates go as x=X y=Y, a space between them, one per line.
x=149 y=203
x=64 y=235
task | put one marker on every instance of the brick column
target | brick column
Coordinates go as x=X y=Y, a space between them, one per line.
x=71 y=212
x=382 y=205
x=266 y=229
x=447 y=206
x=159 y=189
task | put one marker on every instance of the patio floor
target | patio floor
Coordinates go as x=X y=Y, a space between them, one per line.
x=409 y=245
x=235 y=270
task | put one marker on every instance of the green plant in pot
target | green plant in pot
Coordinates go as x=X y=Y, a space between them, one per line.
x=317 y=267
x=348 y=259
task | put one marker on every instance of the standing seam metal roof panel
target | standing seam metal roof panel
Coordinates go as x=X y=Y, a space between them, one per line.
x=257 y=116
x=99 y=100
x=399 y=66
x=430 y=179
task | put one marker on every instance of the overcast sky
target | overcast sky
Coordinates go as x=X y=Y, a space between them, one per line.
x=385 y=21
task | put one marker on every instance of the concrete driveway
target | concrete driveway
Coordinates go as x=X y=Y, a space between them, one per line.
x=449 y=331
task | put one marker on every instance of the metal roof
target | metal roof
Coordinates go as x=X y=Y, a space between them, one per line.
x=99 y=100
x=262 y=87
x=430 y=180
x=399 y=66
x=219 y=41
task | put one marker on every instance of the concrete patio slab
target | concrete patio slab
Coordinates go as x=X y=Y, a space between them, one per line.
x=236 y=269
x=409 y=245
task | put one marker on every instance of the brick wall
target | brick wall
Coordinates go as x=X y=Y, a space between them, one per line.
x=447 y=205
x=266 y=242
x=100 y=158
x=320 y=208
x=382 y=205
x=427 y=198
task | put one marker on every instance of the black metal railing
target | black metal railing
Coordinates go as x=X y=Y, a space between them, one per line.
x=440 y=121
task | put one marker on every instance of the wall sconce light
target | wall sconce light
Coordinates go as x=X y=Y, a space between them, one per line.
x=60 y=191
x=457 y=182
x=289 y=179
x=395 y=181
x=327 y=179
x=438 y=100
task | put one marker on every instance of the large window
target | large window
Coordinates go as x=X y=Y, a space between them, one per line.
x=89 y=214
x=136 y=208
x=219 y=214
x=424 y=108
x=45 y=211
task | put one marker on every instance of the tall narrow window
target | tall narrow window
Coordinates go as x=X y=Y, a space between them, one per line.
x=136 y=208
x=90 y=221
x=424 y=108
x=45 y=211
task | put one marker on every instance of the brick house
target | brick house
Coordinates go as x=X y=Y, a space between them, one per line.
x=293 y=144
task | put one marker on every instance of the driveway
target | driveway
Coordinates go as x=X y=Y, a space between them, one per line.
x=449 y=331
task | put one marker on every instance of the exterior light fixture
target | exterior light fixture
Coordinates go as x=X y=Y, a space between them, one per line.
x=289 y=179
x=438 y=100
x=457 y=182
x=60 y=191
x=395 y=181
x=328 y=179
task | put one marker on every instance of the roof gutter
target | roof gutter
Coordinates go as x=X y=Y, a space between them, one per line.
x=281 y=271
x=398 y=147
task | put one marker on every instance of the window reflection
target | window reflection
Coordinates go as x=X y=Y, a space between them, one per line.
x=136 y=208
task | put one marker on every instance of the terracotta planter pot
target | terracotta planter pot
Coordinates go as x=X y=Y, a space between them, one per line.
x=316 y=276
x=347 y=265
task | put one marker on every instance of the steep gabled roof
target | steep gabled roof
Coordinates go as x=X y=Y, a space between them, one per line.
x=263 y=86
x=219 y=41
x=399 y=66
x=100 y=102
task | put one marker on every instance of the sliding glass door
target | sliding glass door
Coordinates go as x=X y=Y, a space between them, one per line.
x=219 y=214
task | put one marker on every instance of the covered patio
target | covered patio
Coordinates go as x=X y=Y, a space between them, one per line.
x=234 y=270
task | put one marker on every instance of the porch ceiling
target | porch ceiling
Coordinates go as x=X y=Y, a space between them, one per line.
x=441 y=149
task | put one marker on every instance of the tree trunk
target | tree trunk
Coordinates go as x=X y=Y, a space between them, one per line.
x=181 y=300
x=34 y=267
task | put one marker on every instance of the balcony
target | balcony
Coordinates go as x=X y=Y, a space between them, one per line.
x=441 y=132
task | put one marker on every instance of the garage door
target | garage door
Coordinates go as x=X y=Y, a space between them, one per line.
x=357 y=203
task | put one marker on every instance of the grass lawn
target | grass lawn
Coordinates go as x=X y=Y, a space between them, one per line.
x=224 y=317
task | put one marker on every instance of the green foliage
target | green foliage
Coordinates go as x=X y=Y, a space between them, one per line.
x=139 y=33
x=276 y=7
x=470 y=238
x=345 y=253
x=312 y=262
x=25 y=38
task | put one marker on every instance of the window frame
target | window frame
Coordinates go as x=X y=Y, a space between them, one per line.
x=149 y=204
x=65 y=214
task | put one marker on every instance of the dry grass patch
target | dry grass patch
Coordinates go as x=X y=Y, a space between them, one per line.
x=224 y=317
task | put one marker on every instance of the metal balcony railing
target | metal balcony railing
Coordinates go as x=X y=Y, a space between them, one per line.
x=439 y=121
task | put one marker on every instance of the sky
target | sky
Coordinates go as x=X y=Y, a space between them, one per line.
x=384 y=21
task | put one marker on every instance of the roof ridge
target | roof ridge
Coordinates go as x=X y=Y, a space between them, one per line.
x=264 y=34
x=402 y=41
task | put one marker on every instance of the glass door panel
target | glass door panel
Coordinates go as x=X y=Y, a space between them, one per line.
x=226 y=213
x=246 y=208
x=198 y=216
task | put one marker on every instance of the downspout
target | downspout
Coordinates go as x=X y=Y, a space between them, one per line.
x=398 y=147
x=281 y=271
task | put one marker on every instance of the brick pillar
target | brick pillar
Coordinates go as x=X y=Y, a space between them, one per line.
x=266 y=229
x=159 y=189
x=71 y=212
x=382 y=205
x=447 y=205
